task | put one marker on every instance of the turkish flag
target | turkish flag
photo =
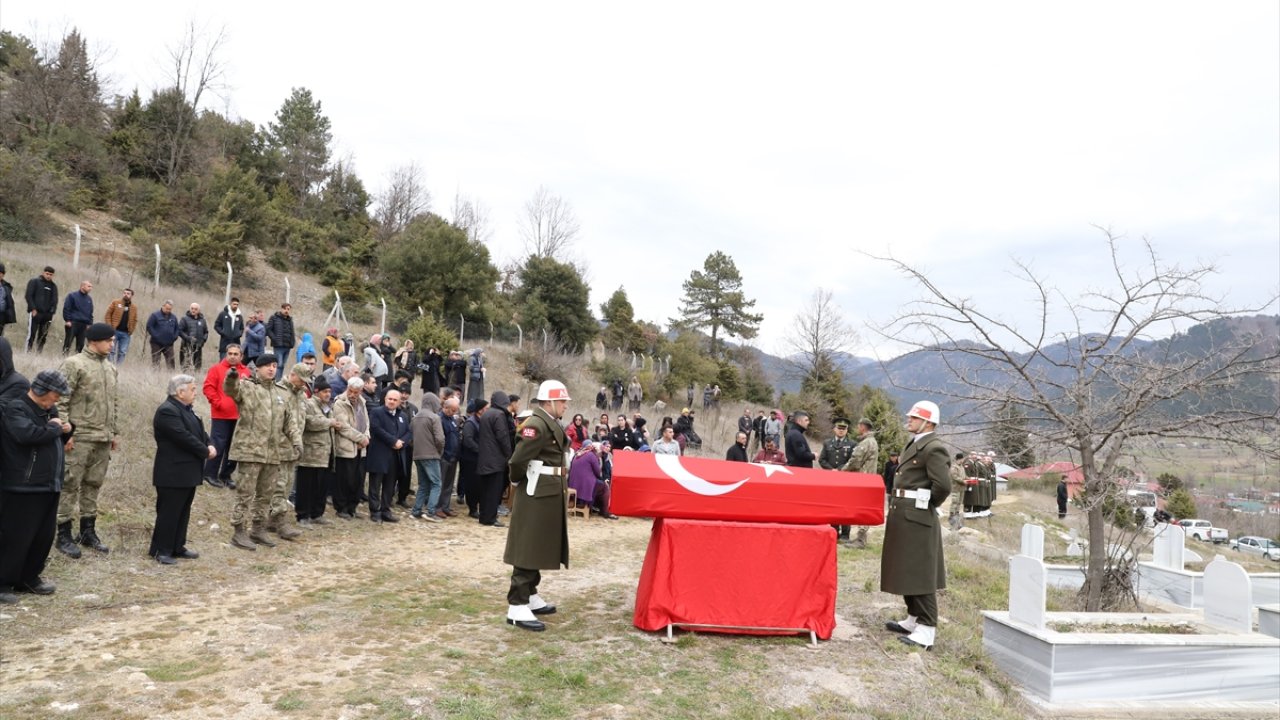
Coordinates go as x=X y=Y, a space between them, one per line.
x=670 y=486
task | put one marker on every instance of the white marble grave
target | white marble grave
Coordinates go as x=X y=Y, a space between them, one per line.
x=1169 y=547
x=1027 y=590
x=1228 y=596
x=1033 y=541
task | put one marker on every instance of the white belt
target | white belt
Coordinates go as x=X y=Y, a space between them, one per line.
x=553 y=471
x=913 y=494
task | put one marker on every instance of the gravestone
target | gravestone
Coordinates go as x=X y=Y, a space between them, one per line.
x=1027 y=580
x=1169 y=550
x=1073 y=548
x=1033 y=541
x=1228 y=596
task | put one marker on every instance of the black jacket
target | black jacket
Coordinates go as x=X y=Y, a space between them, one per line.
x=182 y=446
x=495 y=438
x=280 y=330
x=470 y=451
x=798 y=452
x=42 y=296
x=10 y=314
x=736 y=453
x=193 y=330
x=385 y=428
x=13 y=384
x=31 y=455
x=230 y=328
x=455 y=372
x=622 y=437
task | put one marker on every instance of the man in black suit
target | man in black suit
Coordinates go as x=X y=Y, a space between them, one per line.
x=389 y=444
x=182 y=447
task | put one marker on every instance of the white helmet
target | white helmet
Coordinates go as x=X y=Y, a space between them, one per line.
x=926 y=411
x=552 y=390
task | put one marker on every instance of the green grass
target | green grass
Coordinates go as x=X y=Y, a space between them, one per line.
x=182 y=670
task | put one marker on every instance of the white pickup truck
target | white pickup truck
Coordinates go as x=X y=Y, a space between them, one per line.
x=1204 y=531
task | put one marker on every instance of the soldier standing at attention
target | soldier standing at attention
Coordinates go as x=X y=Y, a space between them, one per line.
x=539 y=535
x=911 y=564
x=865 y=458
x=835 y=453
x=91 y=408
x=264 y=420
x=956 y=515
x=294 y=389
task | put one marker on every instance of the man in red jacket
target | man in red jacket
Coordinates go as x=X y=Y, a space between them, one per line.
x=224 y=413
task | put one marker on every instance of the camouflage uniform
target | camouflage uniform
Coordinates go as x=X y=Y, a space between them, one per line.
x=289 y=452
x=266 y=416
x=835 y=453
x=92 y=409
x=958 y=489
x=865 y=459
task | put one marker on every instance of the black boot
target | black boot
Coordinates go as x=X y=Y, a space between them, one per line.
x=89 y=536
x=65 y=543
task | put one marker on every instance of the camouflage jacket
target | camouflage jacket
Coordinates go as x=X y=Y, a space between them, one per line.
x=866 y=457
x=266 y=420
x=93 y=403
x=290 y=449
x=317 y=435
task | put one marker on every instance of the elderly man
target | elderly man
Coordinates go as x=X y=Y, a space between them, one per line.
x=31 y=464
x=162 y=328
x=449 y=422
x=182 y=447
x=349 y=443
x=122 y=316
x=266 y=422
x=539 y=535
x=391 y=438
x=374 y=362
x=911 y=564
x=77 y=313
x=193 y=330
x=317 y=454
x=92 y=407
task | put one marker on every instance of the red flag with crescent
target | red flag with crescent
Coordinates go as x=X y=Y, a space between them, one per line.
x=649 y=485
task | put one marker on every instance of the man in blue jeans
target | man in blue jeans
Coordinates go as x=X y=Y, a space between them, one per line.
x=280 y=331
x=428 y=446
x=122 y=316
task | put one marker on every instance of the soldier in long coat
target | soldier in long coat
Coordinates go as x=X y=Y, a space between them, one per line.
x=539 y=535
x=911 y=564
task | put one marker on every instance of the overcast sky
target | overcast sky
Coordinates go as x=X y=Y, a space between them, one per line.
x=793 y=136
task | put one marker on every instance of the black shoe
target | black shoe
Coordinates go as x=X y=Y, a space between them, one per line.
x=473 y=514
x=893 y=626
x=545 y=610
x=375 y=517
x=186 y=554
x=89 y=535
x=534 y=625
x=65 y=543
x=166 y=559
x=213 y=482
x=229 y=484
x=388 y=517
x=403 y=503
x=498 y=523
x=7 y=597
x=41 y=587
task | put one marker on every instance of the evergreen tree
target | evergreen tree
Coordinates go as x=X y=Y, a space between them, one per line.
x=621 y=330
x=1010 y=436
x=300 y=138
x=713 y=299
x=553 y=295
x=1181 y=505
x=886 y=423
x=433 y=266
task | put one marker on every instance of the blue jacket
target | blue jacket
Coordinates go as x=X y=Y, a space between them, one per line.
x=78 y=307
x=384 y=430
x=306 y=346
x=162 y=328
x=452 y=439
x=255 y=340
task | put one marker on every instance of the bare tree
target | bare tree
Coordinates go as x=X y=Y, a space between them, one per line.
x=1107 y=381
x=549 y=226
x=473 y=217
x=196 y=69
x=818 y=334
x=405 y=198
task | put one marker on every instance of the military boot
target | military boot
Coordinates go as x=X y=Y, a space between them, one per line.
x=89 y=535
x=65 y=543
x=280 y=526
x=861 y=539
x=260 y=535
x=242 y=540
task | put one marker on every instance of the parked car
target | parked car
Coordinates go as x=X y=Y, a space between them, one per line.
x=1204 y=531
x=1255 y=545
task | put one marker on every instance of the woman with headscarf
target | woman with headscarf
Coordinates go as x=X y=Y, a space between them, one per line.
x=406 y=359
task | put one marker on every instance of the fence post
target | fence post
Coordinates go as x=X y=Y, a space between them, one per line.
x=157 y=267
x=490 y=332
x=420 y=313
x=75 y=260
x=544 y=339
x=462 y=329
x=382 y=330
x=226 y=300
x=520 y=341
x=288 y=290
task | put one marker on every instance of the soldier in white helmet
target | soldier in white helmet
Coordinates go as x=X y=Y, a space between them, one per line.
x=911 y=563
x=539 y=535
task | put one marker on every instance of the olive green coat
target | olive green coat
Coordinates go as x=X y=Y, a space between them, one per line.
x=266 y=417
x=538 y=538
x=317 y=435
x=92 y=404
x=911 y=562
x=865 y=457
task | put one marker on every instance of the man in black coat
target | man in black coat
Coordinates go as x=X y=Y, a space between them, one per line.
x=182 y=447
x=8 y=315
x=738 y=451
x=280 y=331
x=799 y=454
x=42 y=303
x=32 y=464
x=230 y=326
x=496 y=440
x=193 y=330
x=390 y=439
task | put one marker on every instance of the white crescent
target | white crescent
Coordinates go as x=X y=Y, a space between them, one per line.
x=671 y=465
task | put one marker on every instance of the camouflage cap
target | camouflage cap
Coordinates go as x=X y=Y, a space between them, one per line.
x=302 y=371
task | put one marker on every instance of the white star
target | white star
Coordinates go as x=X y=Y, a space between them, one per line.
x=770 y=469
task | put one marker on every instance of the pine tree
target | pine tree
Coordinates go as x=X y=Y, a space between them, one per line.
x=713 y=299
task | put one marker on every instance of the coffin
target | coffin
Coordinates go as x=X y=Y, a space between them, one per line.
x=670 y=486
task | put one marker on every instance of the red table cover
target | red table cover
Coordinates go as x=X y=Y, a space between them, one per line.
x=648 y=485
x=748 y=574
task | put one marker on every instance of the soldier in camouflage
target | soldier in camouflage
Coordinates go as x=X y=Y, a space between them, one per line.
x=294 y=387
x=835 y=453
x=958 y=487
x=91 y=407
x=865 y=459
x=266 y=416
